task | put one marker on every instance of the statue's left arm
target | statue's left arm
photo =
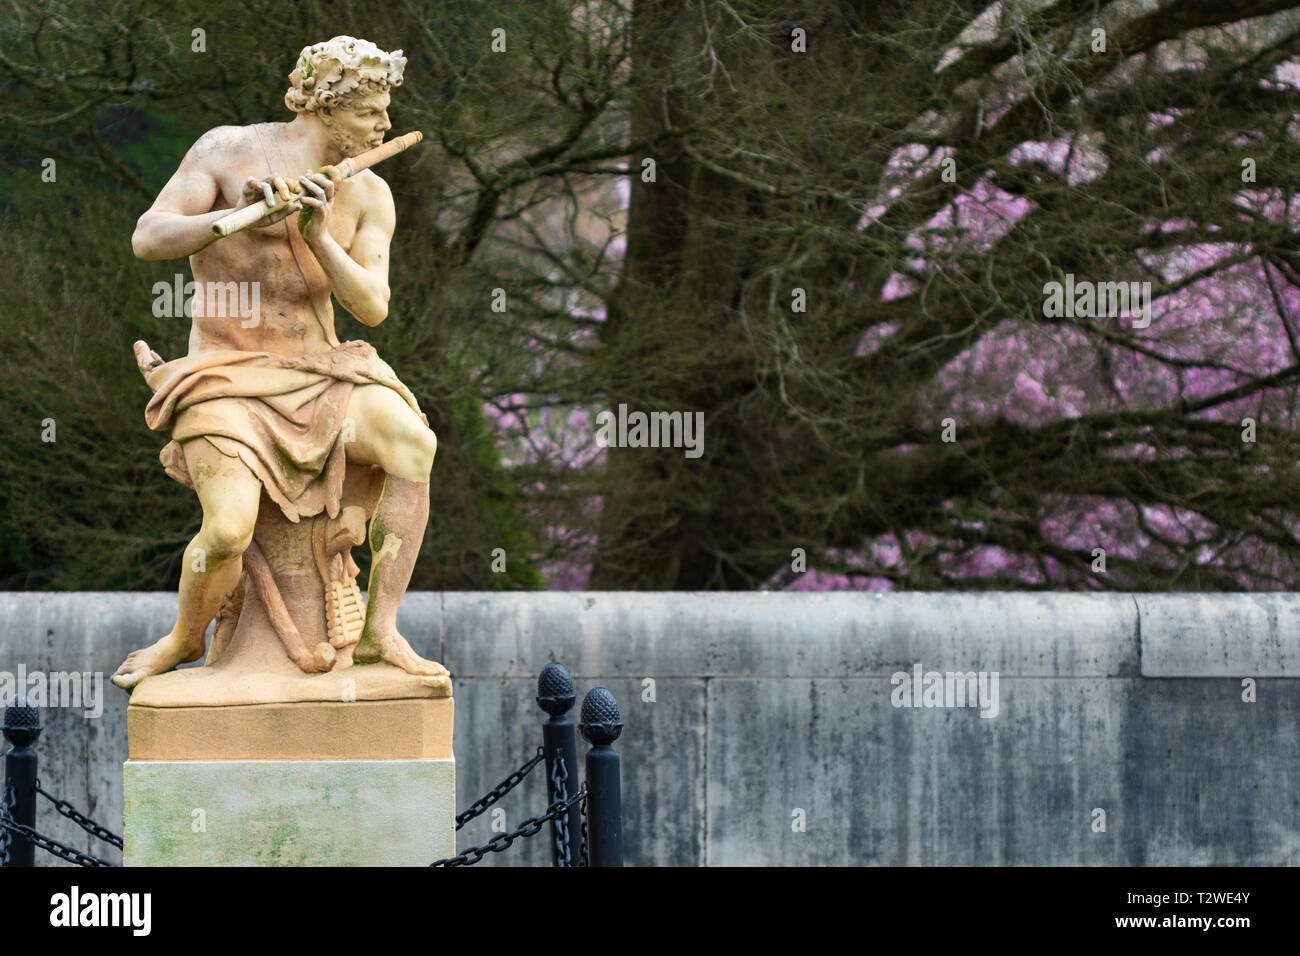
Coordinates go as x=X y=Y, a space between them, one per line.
x=358 y=277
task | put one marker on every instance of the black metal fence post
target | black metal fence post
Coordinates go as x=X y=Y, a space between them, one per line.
x=555 y=696
x=601 y=725
x=22 y=725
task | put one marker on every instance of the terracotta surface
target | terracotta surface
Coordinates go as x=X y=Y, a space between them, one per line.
x=220 y=687
x=360 y=730
x=298 y=446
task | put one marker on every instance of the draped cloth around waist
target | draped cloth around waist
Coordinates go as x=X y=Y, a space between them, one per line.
x=282 y=416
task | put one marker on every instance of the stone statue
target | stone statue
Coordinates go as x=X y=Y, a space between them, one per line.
x=291 y=440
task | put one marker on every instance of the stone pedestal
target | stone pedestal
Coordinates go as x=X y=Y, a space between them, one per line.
x=244 y=781
x=289 y=812
x=302 y=783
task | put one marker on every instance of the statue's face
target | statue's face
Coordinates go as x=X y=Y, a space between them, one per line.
x=359 y=124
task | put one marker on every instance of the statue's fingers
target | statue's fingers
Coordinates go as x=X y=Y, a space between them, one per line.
x=333 y=172
x=145 y=357
x=324 y=182
x=283 y=189
x=314 y=187
x=267 y=193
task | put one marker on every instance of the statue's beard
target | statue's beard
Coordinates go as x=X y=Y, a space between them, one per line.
x=345 y=142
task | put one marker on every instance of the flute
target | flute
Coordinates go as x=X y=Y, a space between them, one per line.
x=243 y=218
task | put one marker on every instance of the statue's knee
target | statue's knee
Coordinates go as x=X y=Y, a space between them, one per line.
x=414 y=453
x=428 y=448
x=225 y=538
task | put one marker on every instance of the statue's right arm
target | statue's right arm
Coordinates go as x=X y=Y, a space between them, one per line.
x=179 y=223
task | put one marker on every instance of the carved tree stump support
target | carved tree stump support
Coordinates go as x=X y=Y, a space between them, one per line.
x=299 y=595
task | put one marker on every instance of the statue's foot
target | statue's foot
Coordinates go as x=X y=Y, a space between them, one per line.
x=395 y=649
x=158 y=658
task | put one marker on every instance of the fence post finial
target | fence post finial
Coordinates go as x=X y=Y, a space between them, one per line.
x=22 y=726
x=601 y=725
x=556 y=696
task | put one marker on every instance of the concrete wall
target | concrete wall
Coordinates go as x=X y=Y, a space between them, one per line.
x=774 y=708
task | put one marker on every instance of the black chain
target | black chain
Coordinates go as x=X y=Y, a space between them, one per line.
x=60 y=850
x=560 y=825
x=87 y=824
x=499 y=791
x=582 y=847
x=5 y=805
x=530 y=828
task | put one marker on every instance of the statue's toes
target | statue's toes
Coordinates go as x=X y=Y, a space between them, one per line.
x=442 y=684
x=415 y=664
x=125 y=670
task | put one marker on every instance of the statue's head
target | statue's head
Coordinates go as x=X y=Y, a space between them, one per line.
x=345 y=82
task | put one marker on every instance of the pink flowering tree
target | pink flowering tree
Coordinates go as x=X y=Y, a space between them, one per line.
x=1004 y=299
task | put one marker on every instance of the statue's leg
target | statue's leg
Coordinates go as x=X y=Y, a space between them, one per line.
x=229 y=494
x=389 y=434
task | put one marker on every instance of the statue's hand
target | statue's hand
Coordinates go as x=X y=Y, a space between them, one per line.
x=146 y=358
x=278 y=193
x=317 y=197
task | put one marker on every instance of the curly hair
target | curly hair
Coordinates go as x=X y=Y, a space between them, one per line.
x=330 y=73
